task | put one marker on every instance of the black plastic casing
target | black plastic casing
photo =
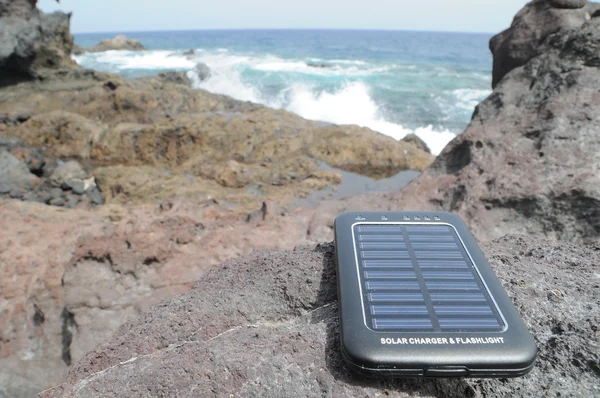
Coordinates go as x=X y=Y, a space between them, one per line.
x=362 y=347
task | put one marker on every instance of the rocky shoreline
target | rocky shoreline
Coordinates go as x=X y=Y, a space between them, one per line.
x=117 y=194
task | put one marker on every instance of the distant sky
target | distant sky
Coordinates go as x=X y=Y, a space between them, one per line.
x=433 y=15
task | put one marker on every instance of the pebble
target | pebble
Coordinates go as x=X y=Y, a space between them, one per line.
x=57 y=202
x=96 y=196
x=16 y=194
x=56 y=193
x=78 y=187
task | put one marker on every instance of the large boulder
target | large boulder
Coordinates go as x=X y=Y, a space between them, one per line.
x=267 y=325
x=119 y=42
x=32 y=41
x=539 y=19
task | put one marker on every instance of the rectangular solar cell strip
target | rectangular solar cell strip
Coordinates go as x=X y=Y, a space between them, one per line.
x=463 y=310
x=434 y=245
x=385 y=254
x=468 y=323
x=392 y=285
x=435 y=254
x=380 y=228
x=399 y=310
x=383 y=245
x=396 y=297
x=448 y=275
x=382 y=238
x=401 y=323
x=443 y=264
x=431 y=238
x=387 y=264
x=418 y=277
x=390 y=274
x=454 y=286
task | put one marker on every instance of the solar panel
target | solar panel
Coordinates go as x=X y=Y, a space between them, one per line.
x=420 y=278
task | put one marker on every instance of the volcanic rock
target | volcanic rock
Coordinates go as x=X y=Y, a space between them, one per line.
x=267 y=324
x=119 y=42
x=31 y=41
x=531 y=27
x=417 y=141
x=201 y=71
x=15 y=174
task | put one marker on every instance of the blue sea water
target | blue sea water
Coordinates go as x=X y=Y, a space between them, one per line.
x=394 y=82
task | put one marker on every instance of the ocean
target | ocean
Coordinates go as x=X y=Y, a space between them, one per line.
x=394 y=82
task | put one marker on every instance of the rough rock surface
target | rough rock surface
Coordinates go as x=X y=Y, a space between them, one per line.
x=267 y=325
x=528 y=162
x=119 y=42
x=31 y=41
x=27 y=173
x=153 y=139
x=531 y=27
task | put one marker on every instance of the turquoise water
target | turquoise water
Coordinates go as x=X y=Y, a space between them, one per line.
x=394 y=82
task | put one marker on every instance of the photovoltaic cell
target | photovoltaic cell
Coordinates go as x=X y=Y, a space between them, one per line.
x=420 y=278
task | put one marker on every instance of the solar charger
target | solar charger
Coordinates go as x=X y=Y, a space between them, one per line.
x=418 y=298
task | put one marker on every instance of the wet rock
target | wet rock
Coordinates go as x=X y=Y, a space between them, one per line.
x=119 y=42
x=176 y=77
x=67 y=174
x=202 y=71
x=189 y=53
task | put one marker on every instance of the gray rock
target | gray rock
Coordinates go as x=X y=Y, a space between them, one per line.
x=267 y=325
x=9 y=143
x=16 y=194
x=15 y=173
x=56 y=193
x=119 y=42
x=96 y=196
x=33 y=42
x=68 y=173
x=176 y=77
x=45 y=197
x=569 y=4
x=202 y=71
x=16 y=8
x=57 y=202
x=78 y=187
x=531 y=26
x=4 y=188
x=189 y=53
x=419 y=143
x=72 y=201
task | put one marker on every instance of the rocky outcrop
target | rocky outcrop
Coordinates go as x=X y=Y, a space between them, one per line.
x=528 y=161
x=119 y=42
x=27 y=173
x=155 y=139
x=32 y=41
x=531 y=27
x=267 y=325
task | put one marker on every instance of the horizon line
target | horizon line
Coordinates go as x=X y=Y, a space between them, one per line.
x=281 y=29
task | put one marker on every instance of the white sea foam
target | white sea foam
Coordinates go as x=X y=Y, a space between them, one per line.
x=351 y=103
x=123 y=60
x=469 y=98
